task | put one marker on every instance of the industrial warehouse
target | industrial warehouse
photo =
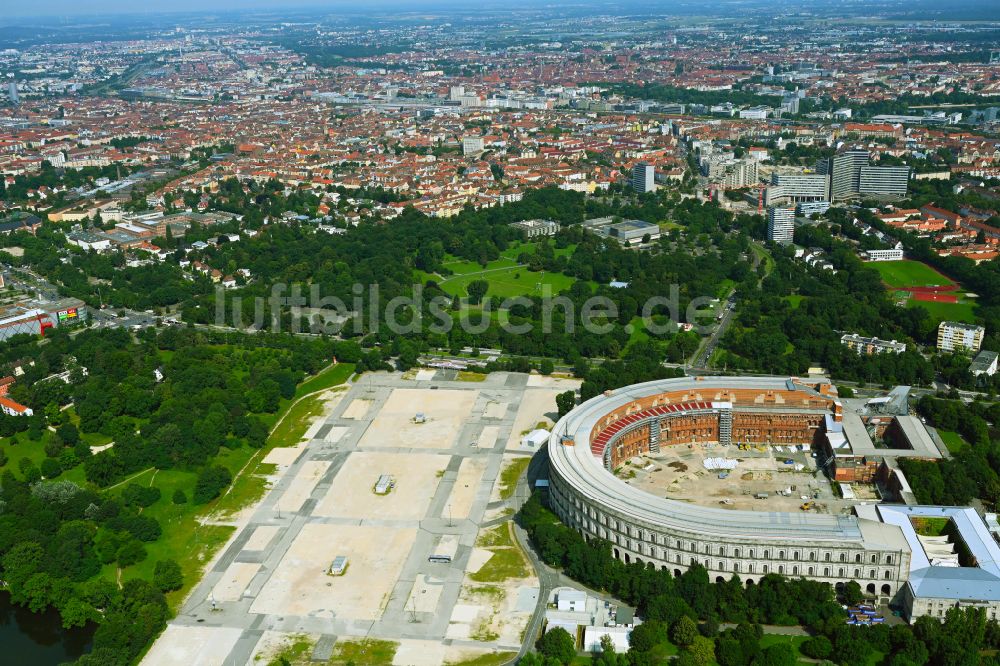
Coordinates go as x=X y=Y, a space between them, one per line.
x=773 y=424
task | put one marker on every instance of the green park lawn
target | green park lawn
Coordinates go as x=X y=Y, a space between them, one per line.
x=794 y=300
x=185 y=539
x=463 y=267
x=506 y=562
x=506 y=277
x=964 y=310
x=509 y=282
x=952 y=440
x=908 y=273
x=767 y=640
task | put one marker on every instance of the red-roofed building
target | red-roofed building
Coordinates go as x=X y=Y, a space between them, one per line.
x=12 y=408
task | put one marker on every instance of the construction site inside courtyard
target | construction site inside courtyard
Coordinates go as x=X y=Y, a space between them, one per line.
x=744 y=477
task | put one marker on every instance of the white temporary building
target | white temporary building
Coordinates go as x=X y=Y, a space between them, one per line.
x=619 y=637
x=535 y=438
x=572 y=600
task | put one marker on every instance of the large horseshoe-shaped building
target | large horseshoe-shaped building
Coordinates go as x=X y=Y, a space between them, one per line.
x=602 y=433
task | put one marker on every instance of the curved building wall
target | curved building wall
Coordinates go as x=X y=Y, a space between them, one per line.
x=673 y=535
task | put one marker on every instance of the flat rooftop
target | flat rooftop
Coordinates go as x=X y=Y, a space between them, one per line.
x=861 y=443
x=981 y=582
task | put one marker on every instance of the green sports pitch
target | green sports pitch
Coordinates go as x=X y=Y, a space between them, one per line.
x=907 y=273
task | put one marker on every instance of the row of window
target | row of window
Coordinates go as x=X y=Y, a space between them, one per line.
x=793 y=570
x=620 y=532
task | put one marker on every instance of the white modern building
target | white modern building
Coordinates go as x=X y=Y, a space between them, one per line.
x=797 y=187
x=536 y=228
x=781 y=224
x=890 y=254
x=472 y=145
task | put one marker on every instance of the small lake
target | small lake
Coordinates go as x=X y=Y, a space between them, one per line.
x=38 y=638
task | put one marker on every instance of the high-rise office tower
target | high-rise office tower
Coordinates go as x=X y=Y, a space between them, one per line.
x=12 y=92
x=643 y=178
x=781 y=224
x=851 y=175
x=888 y=181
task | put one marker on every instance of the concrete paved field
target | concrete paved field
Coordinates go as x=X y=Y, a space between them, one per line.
x=192 y=646
x=538 y=405
x=425 y=595
x=419 y=653
x=232 y=584
x=261 y=537
x=357 y=409
x=335 y=434
x=284 y=456
x=445 y=411
x=350 y=495
x=302 y=485
x=270 y=579
x=495 y=410
x=300 y=585
x=561 y=383
x=488 y=437
x=466 y=485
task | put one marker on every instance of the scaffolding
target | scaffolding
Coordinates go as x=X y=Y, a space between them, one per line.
x=725 y=427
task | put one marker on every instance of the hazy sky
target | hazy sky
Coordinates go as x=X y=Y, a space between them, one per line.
x=77 y=7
